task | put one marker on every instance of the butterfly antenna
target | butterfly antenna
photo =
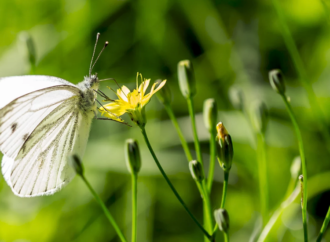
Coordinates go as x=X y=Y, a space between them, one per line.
x=90 y=66
x=104 y=46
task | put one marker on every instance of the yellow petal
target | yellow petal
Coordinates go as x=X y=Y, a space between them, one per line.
x=123 y=92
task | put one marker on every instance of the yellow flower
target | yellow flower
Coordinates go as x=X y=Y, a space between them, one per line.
x=132 y=103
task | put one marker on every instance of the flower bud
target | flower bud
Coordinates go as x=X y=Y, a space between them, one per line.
x=210 y=113
x=76 y=164
x=260 y=116
x=133 y=158
x=236 y=98
x=30 y=47
x=164 y=94
x=186 y=78
x=225 y=147
x=196 y=170
x=295 y=167
x=222 y=218
x=277 y=81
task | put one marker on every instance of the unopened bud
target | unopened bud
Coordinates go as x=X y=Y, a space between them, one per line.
x=222 y=218
x=277 y=81
x=133 y=158
x=225 y=147
x=164 y=94
x=236 y=98
x=76 y=164
x=260 y=116
x=196 y=170
x=186 y=78
x=30 y=46
x=295 y=167
x=210 y=112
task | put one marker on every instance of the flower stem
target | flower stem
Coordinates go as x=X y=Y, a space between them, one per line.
x=212 y=160
x=263 y=184
x=226 y=237
x=193 y=123
x=324 y=226
x=303 y=162
x=105 y=210
x=171 y=185
x=303 y=77
x=224 y=190
x=134 y=206
x=178 y=130
x=207 y=205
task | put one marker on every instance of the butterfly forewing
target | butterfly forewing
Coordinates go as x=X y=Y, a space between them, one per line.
x=41 y=167
x=41 y=124
x=20 y=117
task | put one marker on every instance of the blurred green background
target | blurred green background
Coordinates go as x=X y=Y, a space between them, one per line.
x=230 y=42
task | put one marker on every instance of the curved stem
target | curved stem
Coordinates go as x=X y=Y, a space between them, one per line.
x=193 y=123
x=134 y=206
x=224 y=190
x=105 y=210
x=276 y=215
x=263 y=184
x=303 y=162
x=303 y=77
x=212 y=160
x=171 y=185
x=178 y=130
x=324 y=226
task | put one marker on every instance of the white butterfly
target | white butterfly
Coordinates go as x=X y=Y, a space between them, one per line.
x=43 y=120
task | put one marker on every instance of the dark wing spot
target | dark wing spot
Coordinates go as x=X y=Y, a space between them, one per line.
x=25 y=137
x=13 y=127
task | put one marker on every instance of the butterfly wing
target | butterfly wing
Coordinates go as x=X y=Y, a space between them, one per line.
x=21 y=116
x=41 y=167
x=26 y=84
x=40 y=125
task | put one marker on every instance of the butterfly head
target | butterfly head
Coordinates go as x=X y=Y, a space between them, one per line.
x=91 y=82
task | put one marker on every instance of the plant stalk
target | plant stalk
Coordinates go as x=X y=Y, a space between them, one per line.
x=178 y=130
x=303 y=163
x=324 y=226
x=134 y=206
x=212 y=160
x=263 y=183
x=105 y=210
x=171 y=185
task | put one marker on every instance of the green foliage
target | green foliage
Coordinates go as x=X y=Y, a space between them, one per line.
x=229 y=43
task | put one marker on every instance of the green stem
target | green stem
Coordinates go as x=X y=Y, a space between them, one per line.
x=224 y=190
x=134 y=206
x=193 y=123
x=226 y=237
x=324 y=226
x=263 y=184
x=303 y=77
x=171 y=185
x=105 y=210
x=303 y=163
x=207 y=205
x=178 y=130
x=212 y=160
